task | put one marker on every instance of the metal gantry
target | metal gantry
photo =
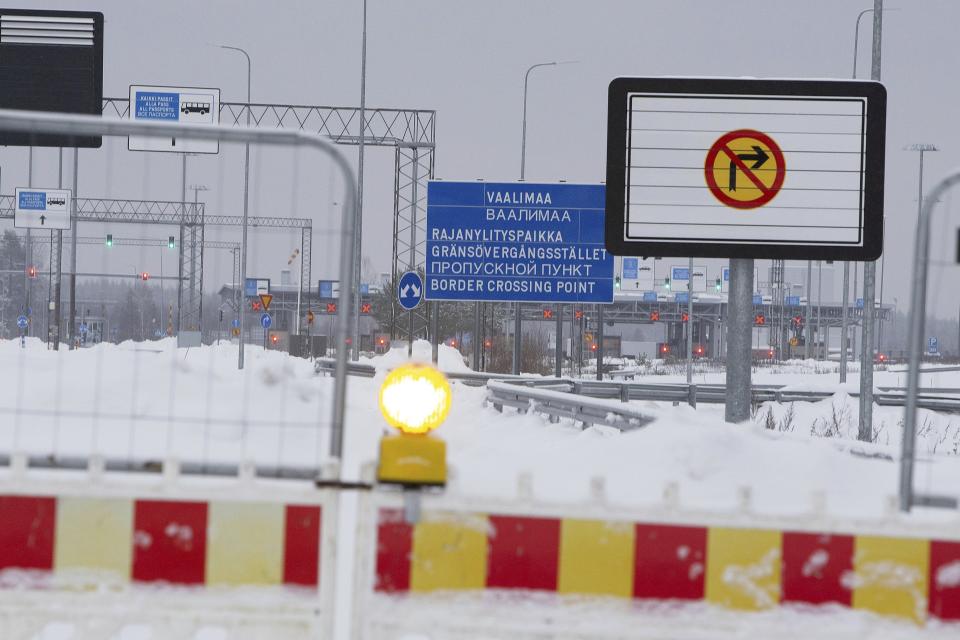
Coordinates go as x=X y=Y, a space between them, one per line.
x=191 y=219
x=412 y=132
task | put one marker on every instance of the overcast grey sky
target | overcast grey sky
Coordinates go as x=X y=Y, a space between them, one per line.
x=467 y=60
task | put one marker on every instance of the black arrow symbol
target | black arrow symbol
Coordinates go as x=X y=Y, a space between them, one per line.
x=42 y=218
x=759 y=157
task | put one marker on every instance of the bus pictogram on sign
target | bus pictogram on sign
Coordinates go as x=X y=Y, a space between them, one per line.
x=745 y=169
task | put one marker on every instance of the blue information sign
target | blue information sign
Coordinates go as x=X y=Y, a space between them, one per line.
x=32 y=200
x=726 y=274
x=792 y=301
x=157 y=105
x=83 y=327
x=757 y=298
x=517 y=242
x=22 y=322
x=649 y=296
x=630 y=268
x=266 y=320
x=410 y=290
x=326 y=289
x=682 y=296
x=933 y=345
x=859 y=303
x=680 y=273
x=364 y=289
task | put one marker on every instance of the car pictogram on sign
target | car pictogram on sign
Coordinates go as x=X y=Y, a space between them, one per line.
x=745 y=169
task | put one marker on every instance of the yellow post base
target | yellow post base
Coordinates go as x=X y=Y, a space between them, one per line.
x=412 y=460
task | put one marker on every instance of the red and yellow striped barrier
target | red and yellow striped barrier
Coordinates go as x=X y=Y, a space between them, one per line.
x=750 y=569
x=173 y=541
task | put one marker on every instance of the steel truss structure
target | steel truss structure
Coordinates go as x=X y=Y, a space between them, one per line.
x=412 y=132
x=191 y=220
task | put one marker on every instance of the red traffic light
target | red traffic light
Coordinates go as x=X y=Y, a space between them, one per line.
x=593 y=347
x=453 y=343
x=654 y=316
x=578 y=314
x=488 y=343
x=31 y=271
x=144 y=276
x=381 y=341
x=365 y=307
x=698 y=350
x=684 y=316
x=664 y=349
x=759 y=319
x=770 y=353
x=274 y=338
x=547 y=313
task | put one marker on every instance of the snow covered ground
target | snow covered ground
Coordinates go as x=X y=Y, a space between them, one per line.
x=151 y=401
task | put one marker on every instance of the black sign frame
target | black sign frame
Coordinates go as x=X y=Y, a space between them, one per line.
x=873 y=166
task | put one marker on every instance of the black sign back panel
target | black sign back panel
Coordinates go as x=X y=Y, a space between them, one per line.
x=740 y=168
x=51 y=61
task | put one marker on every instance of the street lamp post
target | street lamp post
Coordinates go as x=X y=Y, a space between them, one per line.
x=246 y=201
x=517 y=323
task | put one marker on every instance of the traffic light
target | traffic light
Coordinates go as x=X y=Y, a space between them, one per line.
x=593 y=346
x=578 y=314
x=487 y=343
x=144 y=276
x=759 y=319
x=109 y=239
x=666 y=283
x=718 y=285
x=171 y=242
x=698 y=350
x=381 y=341
x=616 y=282
x=31 y=271
x=331 y=307
x=274 y=338
x=453 y=343
x=664 y=349
x=547 y=314
x=654 y=316
x=684 y=316
x=365 y=307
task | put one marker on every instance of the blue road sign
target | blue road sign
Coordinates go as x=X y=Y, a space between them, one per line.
x=22 y=322
x=682 y=296
x=364 y=289
x=679 y=273
x=933 y=345
x=726 y=274
x=649 y=296
x=410 y=290
x=792 y=301
x=83 y=327
x=859 y=303
x=326 y=289
x=517 y=242
x=630 y=268
x=265 y=320
x=235 y=323
x=253 y=287
x=757 y=298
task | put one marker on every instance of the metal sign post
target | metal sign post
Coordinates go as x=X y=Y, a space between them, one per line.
x=688 y=157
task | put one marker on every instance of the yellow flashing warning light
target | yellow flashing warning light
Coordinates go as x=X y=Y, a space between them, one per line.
x=415 y=398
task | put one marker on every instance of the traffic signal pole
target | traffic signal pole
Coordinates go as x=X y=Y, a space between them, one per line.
x=739 y=334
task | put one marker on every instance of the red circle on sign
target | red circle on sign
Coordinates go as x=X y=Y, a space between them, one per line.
x=722 y=146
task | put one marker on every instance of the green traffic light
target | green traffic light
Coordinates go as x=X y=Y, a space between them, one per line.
x=171 y=243
x=109 y=239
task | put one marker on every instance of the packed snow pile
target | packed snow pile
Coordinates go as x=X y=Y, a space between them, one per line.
x=151 y=401
x=449 y=360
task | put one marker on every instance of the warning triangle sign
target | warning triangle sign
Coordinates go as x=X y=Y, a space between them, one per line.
x=266 y=299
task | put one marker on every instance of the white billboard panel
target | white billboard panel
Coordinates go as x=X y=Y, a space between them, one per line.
x=189 y=105
x=42 y=208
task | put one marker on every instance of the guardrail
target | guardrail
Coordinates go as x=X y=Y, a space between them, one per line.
x=934 y=398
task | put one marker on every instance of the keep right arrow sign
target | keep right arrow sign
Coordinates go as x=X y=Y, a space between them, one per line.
x=410 y=290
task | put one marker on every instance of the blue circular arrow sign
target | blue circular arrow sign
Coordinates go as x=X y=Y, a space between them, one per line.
x=266 y=320
x=22 y=322
x=410 y=290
